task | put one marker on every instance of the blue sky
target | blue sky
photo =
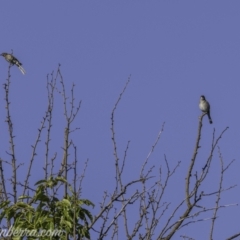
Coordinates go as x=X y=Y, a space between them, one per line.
x=175 y=51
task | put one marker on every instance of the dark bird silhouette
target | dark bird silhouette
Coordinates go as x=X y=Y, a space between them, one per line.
x=14 y=61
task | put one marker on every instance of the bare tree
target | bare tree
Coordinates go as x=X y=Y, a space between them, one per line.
x=147 y=195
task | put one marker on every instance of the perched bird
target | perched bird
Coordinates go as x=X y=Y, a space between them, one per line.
x=205 y=107
x=14 y=61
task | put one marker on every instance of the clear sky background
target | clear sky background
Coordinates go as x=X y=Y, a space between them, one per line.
x=175 y=51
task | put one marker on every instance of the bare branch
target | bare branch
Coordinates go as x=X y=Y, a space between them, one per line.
x=11 y=135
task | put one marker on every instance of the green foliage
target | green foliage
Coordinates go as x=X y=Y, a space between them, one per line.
x=44 y=211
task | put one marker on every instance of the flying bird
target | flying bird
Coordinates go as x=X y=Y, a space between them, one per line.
x=205 y=107
x=14 y=61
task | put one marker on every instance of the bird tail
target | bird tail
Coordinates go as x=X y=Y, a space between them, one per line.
x=21 y=69
x=209 y=117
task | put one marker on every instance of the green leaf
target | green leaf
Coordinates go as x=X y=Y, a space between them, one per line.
x=41 y=181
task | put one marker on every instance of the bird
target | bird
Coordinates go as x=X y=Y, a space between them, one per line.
x=205 y=107
x=14 y=61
